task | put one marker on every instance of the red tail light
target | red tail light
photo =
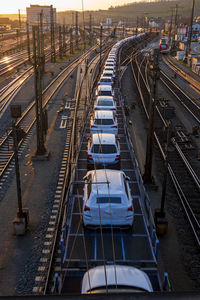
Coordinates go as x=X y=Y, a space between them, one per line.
x=93 y=126
x=130 y=208
x=90 y=157
x=117 y=157
x=115 y=126
x=86 y=208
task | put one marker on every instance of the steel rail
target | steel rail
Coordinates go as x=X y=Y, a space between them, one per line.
x=178 y=98
x=61 y=77
x=69 y=171
x=178 y=188
x=183 y=74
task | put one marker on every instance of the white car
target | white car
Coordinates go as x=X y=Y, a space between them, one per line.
x=103 y=151
x=105 y=103
x=104 y=121
x=107 y=199
x=109 y=65
x=110 y=74
x=104 y=90
x=109 y=69
x=111 y=60
x=129 y=280
x=106 y=81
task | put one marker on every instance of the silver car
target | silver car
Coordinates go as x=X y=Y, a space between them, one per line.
x=104 y=90
x=104 y=121
x=105 y=103
x=116 y=279
x=103 y=151
x=106 y=80
x=107 y=199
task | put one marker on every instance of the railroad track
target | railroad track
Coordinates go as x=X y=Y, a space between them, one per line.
x=192 y=105
x=183 y=176
x=78 y=112
x=172 y=65
x=28 y=119
x=92 y=254
x=76 y=166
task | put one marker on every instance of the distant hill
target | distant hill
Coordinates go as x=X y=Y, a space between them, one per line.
x=160 y=9
x=130 y=12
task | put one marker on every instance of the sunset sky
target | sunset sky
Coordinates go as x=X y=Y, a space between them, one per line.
x=12 y=6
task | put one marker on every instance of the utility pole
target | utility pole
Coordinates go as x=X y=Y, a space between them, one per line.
x=20 y=223
x=100 y=48
x=64 y=40
x=60 y=42
x=72 y=19
x=71 y=41
x=136 y=29
x=176 y=15
x=188 y=49
x=53 y=50
x=159 y=215
x=28 y=41
x=41 y=150
x=76 y=30
x=20 y=25
x=42 y=43
x=90 y=29
x=84 y=41
x=17 y=35
x=171 y=23
x=150 y=133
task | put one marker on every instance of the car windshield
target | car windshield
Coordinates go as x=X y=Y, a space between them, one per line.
x=101 y=200
x=103 y=148
x=103 y=121
x=108 y=74
x=104 y=103
x=105 y=93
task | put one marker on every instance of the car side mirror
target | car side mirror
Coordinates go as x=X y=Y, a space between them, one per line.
x=127 y=178
x=85 y=177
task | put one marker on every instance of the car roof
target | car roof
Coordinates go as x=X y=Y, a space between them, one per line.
x=103 y=138
x=108 y=72
x=104 y=88
x=104 y=176
x=103 y=114
x=125 y=275
x=105 y=98
x=106 y=77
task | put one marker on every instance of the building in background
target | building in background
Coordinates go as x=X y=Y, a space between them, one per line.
x=33 y=15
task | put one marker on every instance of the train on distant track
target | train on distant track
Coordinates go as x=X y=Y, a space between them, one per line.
x=164 y=46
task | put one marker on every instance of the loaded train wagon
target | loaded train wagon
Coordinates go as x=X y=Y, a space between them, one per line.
x=85 y=248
